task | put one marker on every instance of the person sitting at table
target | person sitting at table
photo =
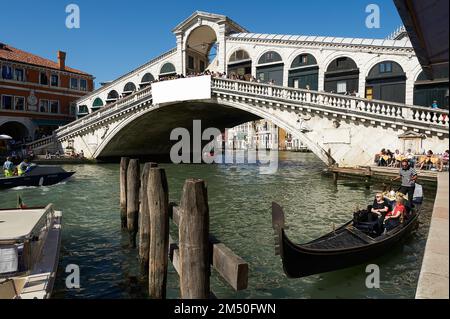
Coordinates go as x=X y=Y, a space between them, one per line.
x=398 y=157
x=410 y=157
x=383 y=158
x=427 y=161
x=396 y=216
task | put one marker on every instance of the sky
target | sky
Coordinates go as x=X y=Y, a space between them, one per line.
x=117 y=36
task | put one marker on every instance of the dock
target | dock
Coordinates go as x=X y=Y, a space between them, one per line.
x=433 y=280
x=379 y=173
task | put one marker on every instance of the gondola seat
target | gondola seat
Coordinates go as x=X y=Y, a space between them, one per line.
x=365 y=221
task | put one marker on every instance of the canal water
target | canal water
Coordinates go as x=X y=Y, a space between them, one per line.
x=240 y=216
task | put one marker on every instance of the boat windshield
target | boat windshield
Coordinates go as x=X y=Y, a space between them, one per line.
x=22 y=235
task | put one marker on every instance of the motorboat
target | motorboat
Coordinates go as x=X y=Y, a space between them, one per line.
x=37 y=175
x=29 y=252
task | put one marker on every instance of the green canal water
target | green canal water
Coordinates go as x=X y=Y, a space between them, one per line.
x=240 y=216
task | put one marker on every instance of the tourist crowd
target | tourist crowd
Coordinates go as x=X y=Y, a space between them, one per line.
x=427 y=160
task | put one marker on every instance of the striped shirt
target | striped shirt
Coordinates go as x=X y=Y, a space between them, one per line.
x=407 y=175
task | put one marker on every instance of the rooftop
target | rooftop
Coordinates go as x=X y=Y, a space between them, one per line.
x=12 y=54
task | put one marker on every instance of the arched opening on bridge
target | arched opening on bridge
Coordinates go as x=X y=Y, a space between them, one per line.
x=167 y=70
x=386 y=81
x=304 y=73
x=270 y=68
x=97 y=104
x=240 y=64
x=83 y=110
x=128 y=89
x=426 y=91
x=146 y=80
x=342 y=76
x=18 y=131
x=112 y=97
x=201 y=50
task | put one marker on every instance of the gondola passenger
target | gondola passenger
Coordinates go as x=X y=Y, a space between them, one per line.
x=395 y=218
x=8 y=167
x=380 y=208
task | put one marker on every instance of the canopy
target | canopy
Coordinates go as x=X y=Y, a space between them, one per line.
x=5 y=137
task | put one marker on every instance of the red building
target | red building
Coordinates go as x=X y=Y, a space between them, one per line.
x=37 y=95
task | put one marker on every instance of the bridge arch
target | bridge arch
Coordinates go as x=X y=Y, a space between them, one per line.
x=129 y=88
x=97 y=104
x=239 y=62
x=386 y=81
x=167 y=70
x=270 y=67
x=218 y=109
x=112 y=96
x=146 y=80
x=199 y=46
x=342 y=75
x=303 y=72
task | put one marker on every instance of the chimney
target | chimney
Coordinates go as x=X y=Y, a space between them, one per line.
x=61 y=60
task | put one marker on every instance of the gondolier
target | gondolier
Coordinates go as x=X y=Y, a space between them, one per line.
x=408 y=175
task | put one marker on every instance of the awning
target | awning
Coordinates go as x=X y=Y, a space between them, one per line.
x=46 y=122
x=427 y=25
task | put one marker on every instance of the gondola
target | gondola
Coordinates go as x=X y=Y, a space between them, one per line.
x=349 y=245
x=37 y=176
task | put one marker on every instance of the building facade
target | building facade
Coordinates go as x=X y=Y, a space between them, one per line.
x=37 y=95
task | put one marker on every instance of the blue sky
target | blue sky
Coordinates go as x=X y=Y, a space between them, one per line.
x=117 y=36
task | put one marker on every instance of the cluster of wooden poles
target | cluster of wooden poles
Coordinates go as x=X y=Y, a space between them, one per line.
x=145 y=213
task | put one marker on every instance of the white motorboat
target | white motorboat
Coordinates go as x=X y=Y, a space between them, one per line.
x=29 y=252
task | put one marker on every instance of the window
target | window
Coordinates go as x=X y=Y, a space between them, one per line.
x=73 y=108
x=19 y=75
x=54 y=80
x=191 y=62
x=342 y=87
x=7 y=102
x=304 y=59
x=202 y=66
x=74 y=83
x=54 y=107
x=43 y=78
x=43 y=106
x=7 y=72
x=386 y=67
x=19 y=103
x=83 y=85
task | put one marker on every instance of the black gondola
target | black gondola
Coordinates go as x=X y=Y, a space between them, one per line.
x=37 y=176
x=347 y=246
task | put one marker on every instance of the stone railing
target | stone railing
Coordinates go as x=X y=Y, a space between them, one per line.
x=421 y=117
x=104 y=112
x=41 y=142
x=435 y=120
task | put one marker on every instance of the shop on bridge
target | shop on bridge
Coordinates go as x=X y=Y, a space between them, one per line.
x=342 y=76
x=240 y=63
x=426 y=91
x=270 y=68
x=386 y=81
x=304 y=73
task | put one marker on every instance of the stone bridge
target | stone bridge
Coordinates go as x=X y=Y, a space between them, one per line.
x=339 y=129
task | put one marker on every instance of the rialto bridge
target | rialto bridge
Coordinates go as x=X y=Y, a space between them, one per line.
x=312 y=78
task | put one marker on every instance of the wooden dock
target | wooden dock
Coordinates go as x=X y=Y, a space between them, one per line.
x=369 y=173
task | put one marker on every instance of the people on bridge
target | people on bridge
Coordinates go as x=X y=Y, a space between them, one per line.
x=8 y=167
x=23 y=167
x=408 y=175
x=428 y=161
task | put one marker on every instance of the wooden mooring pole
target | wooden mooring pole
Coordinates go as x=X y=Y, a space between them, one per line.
x=144 y=219
x=158 y=207
x=123 y=191
x=194 y=246
x=133 y=183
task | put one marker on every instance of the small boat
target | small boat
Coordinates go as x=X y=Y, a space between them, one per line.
x=29 y=252
x=349 y=245
x=37 y=176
